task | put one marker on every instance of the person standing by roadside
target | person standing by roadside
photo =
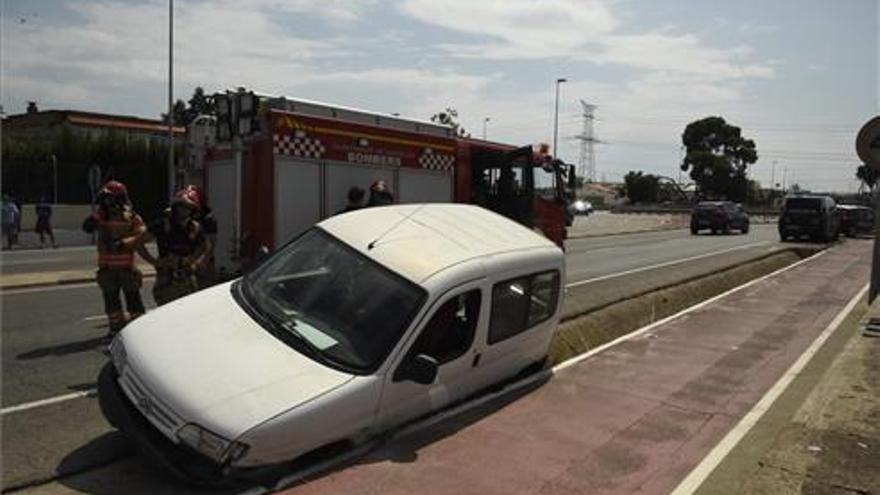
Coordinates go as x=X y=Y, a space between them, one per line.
x=380 y=194
x=355 y=200
x=182 y=244
x=44 y=222
x=118 y=230
x=11 y=214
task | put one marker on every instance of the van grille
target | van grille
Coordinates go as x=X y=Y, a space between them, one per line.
x=157 y=413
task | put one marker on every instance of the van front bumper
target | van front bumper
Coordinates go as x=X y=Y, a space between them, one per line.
x=176 y=459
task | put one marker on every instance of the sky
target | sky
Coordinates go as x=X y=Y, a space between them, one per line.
x=799 y=77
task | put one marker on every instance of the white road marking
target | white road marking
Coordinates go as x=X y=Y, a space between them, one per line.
x=506 y=390
x=696 y=477
x=61 y=250
x=667 y=263
x=96 y=317
x=48 y=288
x=47 y=402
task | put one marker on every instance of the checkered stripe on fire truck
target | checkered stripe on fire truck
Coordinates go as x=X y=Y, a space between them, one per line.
x=306 y=147
x=432 y=161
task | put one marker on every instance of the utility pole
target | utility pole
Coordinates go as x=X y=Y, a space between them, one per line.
x=587 y=137
x=485 y=127
x=171 y=168
x=773 y=176
x=556 y=119
x=54 y=179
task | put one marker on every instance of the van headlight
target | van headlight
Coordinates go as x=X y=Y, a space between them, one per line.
x=118 y=356
x=211 y=444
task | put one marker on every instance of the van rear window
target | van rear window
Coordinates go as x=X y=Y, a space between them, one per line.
x=803 y=204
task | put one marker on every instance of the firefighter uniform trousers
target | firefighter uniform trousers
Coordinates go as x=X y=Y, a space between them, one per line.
x=128 y=281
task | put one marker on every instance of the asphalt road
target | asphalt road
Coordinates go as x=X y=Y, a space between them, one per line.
x=50 y=345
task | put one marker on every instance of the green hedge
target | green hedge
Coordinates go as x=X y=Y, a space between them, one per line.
x=140 y=164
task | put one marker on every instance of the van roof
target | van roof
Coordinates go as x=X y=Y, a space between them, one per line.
x=419 y=240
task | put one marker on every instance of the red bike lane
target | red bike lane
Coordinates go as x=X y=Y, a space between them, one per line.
x=634 y=418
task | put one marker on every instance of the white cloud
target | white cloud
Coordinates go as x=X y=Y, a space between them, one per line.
x=579 y=30
x=685 y=54
x=548 y=26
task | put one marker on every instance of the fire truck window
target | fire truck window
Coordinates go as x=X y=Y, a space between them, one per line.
x=522 y=303
x=450 y=332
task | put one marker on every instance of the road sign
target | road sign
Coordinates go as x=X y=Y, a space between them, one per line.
x=868 y=143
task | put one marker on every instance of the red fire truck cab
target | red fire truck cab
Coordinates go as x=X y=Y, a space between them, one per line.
x=298 y=168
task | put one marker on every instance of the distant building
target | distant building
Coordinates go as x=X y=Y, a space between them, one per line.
x=35 y=122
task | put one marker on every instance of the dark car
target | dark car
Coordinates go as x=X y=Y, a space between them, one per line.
x=815 y=217
x=856 y=220
x=719 y=216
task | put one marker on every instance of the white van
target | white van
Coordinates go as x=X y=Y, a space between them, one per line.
x=370 y=319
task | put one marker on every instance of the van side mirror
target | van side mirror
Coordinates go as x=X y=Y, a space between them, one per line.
x=421 y=369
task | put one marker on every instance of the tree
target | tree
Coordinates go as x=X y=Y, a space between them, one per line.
x=449 y=118
x=868 y=175
x=718 y=156
x=199 y=104
x=640 y=187
x=180 y=113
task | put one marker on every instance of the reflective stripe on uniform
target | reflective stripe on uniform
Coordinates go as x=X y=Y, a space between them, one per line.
x=116 y=260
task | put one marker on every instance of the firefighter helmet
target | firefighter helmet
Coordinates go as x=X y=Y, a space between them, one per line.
x=189 y=196
x=113 y=192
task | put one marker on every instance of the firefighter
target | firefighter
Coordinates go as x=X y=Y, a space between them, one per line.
x=355 y=200
x=118 y=228
x=205 y=216
x=183 y=247
x=380 y=194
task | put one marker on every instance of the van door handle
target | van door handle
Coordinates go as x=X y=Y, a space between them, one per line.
x=476 y=361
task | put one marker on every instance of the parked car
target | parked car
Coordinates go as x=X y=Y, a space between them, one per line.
x=719 y=216
x=366 y=321
x=856 y=220
x=815 y=217
x=581 y=207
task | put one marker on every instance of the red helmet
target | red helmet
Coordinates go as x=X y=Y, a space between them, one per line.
x=189 y=196
x=198 y=191
x=113 y=191
x=114 y=188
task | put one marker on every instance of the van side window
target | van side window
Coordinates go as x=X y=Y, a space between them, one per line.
x=522 y=303
x=450 y=332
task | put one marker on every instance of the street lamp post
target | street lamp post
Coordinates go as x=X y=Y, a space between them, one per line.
x=485 y=127
x=556 y=117
x=171 y=169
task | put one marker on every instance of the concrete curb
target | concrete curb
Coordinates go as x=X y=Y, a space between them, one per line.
x=48 y=280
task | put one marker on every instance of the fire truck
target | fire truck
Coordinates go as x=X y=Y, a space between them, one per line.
x=297 y=167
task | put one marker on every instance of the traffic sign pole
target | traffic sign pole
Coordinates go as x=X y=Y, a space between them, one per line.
x=868 y=149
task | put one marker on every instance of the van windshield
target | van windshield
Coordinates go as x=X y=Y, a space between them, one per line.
x=332 y=303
